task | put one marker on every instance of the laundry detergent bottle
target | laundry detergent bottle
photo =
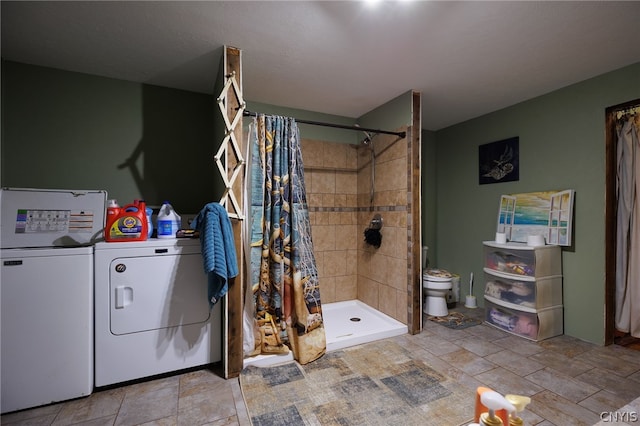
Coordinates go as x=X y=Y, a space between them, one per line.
x=128 y=224
x=168 y=221
x=113 y=209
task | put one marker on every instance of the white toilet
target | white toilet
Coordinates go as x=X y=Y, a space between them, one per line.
x=436 y=284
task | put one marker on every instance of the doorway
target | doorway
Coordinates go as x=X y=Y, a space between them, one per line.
x=613 y=116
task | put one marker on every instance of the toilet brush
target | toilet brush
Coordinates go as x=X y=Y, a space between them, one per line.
x=470 y=301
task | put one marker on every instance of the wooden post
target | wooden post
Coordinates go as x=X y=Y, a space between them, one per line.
x=415 y=141
x=233 y=302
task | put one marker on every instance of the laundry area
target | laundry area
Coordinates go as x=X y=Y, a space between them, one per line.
x=82 y=309
x=159 y=295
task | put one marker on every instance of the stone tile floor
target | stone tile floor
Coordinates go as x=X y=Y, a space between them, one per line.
x=570 y=382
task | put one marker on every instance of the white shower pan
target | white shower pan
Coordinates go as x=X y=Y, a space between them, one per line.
x=346 y=324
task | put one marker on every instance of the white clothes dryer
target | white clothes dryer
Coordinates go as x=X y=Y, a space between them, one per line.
x=152 y=315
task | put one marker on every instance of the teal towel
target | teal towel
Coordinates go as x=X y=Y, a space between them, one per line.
x=218 y=249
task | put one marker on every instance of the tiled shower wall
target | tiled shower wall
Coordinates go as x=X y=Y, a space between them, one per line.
x=338 y=180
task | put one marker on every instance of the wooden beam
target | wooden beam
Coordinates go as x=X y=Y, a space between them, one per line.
x=415 y=244
x=233 y=356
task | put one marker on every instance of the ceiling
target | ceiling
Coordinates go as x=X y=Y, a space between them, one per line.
x=336 y=57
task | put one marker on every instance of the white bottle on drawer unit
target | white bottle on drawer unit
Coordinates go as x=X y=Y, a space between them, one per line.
x=523 y=289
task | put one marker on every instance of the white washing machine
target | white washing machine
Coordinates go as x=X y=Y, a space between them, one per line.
x=47 y=329
x=46 y=293
x=152 y=315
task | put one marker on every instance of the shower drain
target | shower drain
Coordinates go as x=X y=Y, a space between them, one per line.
x=354 y=319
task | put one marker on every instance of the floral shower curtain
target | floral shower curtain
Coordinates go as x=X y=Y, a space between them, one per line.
x=285 y=294
x=628 y=227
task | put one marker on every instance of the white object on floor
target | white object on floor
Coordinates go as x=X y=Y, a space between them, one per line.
x=268 y=360
x=471 y=302
x=346 y=324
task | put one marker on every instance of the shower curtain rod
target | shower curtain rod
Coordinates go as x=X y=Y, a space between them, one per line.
x=337 y=126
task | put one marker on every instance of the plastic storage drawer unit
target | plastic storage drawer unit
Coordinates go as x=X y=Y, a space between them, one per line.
x=531 y=324
x=523 y=291
x=521 y=260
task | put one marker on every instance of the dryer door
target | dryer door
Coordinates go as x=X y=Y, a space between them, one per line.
x=156 y=292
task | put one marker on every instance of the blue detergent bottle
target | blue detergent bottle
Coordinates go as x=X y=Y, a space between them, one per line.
x=149 y=211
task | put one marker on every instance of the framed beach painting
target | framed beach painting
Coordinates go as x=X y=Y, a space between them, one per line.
x=546 y=213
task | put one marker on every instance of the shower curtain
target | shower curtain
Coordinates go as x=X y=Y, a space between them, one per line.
x=284 y=299
x=628 y=228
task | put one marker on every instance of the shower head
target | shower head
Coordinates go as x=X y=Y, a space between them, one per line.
x=368 y=138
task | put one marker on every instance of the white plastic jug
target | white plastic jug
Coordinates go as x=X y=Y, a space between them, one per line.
x=168 y=221
x=149 y=212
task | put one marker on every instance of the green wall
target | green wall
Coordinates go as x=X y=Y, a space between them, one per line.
x=70 y=130
x=562 y=146
x=428 y=175
x=391 y=115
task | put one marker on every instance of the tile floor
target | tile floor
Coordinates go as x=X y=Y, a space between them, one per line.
x=571 y=382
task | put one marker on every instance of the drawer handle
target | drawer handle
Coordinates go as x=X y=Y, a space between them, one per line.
x=160 y=251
